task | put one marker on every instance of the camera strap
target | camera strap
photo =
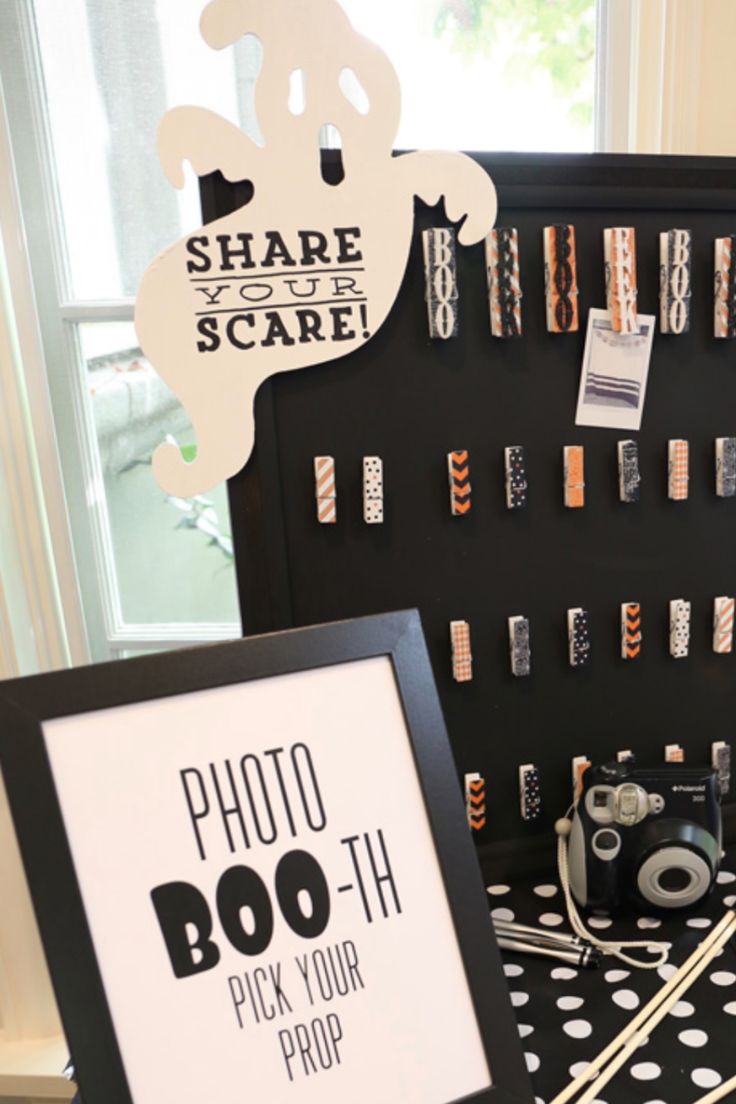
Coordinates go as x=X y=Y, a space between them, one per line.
x=563 y=827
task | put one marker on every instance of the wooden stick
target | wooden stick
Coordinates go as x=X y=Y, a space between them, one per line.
x=656 y=1018
x=700 y=951
x=719 y=1093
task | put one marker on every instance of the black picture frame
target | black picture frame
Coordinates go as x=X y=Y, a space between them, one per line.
x=25 y=704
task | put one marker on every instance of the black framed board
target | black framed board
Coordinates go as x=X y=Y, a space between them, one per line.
x=251 y=872
x=412 y=401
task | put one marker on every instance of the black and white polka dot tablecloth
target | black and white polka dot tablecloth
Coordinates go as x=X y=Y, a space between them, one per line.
x=567 y=1016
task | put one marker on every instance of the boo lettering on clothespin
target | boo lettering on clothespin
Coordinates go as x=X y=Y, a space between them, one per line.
x=520 y=646
x=629 y=476
x=475 y=801
x=678 y=469
x=573 y=459
x=619 y=246
x=326 y=494
x=675 y=259
x=726 y=467
x=462 y=657
x=680 y=613
x=561 y=279
x=504 y=281
x=440 y=271
x=631 y=636
x=373 y=490
x=725 y=287
x=529 y=792
x=723 y=609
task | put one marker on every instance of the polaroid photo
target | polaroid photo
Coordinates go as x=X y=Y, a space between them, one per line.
x=613 y=383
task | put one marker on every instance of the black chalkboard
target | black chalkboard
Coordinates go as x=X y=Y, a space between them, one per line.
x=411 y=401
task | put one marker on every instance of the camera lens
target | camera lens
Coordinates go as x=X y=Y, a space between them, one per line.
x=674 y=880
x=674 y=877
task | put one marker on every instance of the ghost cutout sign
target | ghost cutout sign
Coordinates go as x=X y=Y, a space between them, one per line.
x=306 y=271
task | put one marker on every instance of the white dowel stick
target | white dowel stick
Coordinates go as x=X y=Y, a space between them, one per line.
x=664 y=1008
x=719 y=1093
x=702 y=949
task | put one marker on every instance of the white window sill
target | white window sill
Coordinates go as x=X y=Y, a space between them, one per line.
x=31 y=1070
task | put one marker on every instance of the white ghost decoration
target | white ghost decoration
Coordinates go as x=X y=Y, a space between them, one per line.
x=306 y=271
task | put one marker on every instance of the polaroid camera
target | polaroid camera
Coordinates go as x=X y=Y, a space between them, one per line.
x=645 y=837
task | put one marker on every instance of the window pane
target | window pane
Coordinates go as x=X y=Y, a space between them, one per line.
x=172 y=558
x=123 y=63
x=476 y=74
x=489 y=74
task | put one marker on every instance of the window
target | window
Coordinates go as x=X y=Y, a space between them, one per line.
x=86 y=83
x=489 y=74
x=153 y=571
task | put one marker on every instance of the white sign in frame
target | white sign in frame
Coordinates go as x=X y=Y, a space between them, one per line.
x=258 y=868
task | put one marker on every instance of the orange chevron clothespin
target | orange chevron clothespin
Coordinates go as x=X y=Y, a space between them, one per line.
x=458 y=470
x=475 y=801
x=631 y=637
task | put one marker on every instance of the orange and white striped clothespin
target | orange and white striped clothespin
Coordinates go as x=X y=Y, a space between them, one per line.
x=325 y=490
x=725 y=287
x=619 y=246
x=673 y=753
x=678 y=469
x=462 y=657
x=723 y=609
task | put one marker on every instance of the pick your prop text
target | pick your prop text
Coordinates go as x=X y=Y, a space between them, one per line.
x=260 y=804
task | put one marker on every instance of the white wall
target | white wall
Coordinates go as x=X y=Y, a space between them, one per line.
x=670 y=76
x=716 y=121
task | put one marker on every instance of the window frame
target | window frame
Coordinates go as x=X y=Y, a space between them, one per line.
x=83 y=535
